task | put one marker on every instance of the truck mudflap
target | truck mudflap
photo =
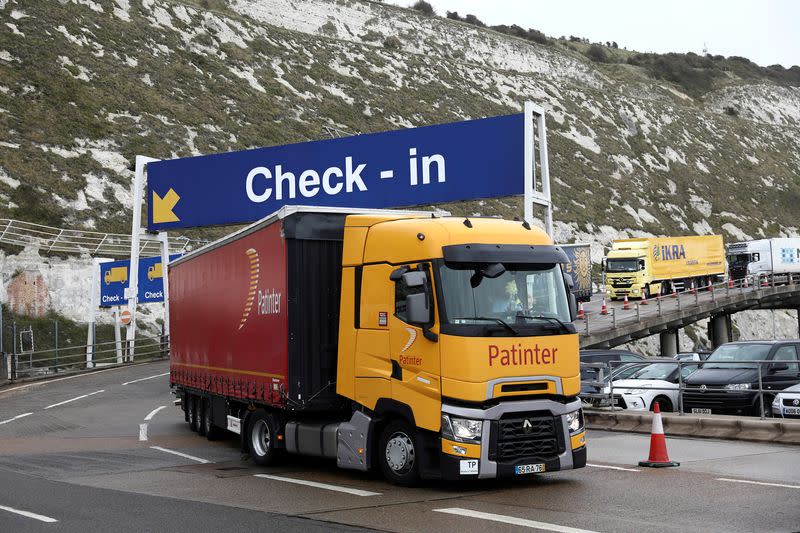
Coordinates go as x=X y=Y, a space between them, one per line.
x=517 y=439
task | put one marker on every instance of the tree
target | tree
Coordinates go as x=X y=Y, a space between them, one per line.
x=597 y=53
x=424 y=7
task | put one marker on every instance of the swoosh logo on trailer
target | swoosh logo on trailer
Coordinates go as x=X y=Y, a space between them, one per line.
x=412 y=336
x=252 y=255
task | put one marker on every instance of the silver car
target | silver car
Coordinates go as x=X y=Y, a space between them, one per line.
x=787 y=402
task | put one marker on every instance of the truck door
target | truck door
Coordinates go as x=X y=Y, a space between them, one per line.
x=414 y=355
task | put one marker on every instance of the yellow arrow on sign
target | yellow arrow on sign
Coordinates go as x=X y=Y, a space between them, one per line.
x=162 y=207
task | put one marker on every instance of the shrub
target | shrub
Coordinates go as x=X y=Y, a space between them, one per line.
x=423 y=7
x=392 y=43
x=597 y=53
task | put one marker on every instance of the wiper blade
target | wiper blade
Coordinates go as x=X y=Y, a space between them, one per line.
x=490 y=319
x=563 y=326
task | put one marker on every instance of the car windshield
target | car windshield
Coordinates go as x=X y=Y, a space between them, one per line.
x=655 y=371
x=737 y=355
x=520 y=294
x=622 y=265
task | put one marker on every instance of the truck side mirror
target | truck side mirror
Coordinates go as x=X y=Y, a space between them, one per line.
x=417 y=309
x=603 y=265
x=573 y=307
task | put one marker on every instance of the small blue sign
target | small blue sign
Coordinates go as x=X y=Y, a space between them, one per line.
x=481 y=158
x=115 y=278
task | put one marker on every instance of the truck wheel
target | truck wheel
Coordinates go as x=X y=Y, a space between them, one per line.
x=211 y=431
x=397 y=454
x=261 y=438
x=201 y=415
x=192 y=412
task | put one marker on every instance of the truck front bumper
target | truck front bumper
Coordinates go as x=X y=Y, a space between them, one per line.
x=508 y=442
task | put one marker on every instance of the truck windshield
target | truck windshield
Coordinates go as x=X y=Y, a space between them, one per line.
x=522 y=294
x=738 y=258
x=737 y=356
x=622 y=265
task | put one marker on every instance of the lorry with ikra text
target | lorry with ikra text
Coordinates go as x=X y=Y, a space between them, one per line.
x=422 y=346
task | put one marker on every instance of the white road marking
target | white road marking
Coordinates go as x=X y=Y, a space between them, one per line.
x=142 y=432
x=145 y=379
x=74 y=399
x=758 y=483
x=185 y=455
x=511 y=520
x=48 y=381
x=153 y=412
x=613 y=467
x=337 y=488
x=28 y=514
x=15 y=418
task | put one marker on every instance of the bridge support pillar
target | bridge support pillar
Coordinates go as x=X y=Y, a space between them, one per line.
x=669 y=342
x=719 y=330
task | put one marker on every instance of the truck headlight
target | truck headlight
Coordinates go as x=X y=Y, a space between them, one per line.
x=737 y=386
x=575 y=421
x=461 y=429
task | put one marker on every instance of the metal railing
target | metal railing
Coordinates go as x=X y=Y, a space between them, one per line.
x=684 y=299
x=17 y=365
x=754 y=395
x=94 y=243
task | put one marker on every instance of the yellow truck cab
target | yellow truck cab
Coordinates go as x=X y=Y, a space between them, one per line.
x=650 y=266
x=456 y=342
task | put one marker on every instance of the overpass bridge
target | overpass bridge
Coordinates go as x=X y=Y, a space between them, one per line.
x=666 y=315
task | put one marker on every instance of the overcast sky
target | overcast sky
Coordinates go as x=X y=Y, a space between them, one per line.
x=765 y=32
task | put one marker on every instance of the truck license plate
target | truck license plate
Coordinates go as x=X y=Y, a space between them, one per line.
x=529 y=469
x=468 y=466
x=791 y=410
x=698 y=411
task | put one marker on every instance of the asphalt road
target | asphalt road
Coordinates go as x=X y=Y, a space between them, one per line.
x=77 y=457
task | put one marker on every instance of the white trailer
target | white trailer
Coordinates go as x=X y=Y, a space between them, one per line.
x=764 y=257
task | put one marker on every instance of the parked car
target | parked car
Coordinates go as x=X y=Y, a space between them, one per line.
x=787 y=403
x=590 y=376
x=691 y=356
x=727 y=381
x=655 y=382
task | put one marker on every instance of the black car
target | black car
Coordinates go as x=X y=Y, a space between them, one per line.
x=727 y=381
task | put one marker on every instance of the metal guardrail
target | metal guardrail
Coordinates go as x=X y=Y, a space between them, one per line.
x=607 y=399
x=687 y=298
x=73 y=241
x=56 y=360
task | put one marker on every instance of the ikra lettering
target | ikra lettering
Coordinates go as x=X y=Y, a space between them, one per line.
x=668 y=252
x=516 y=355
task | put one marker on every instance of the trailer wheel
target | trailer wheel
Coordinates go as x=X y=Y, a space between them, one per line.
x=211 y=431
x=192 y=407
x=261 y=438
x=398 y=454
x=201 y=415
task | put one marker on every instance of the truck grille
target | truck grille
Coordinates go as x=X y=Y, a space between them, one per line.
x=533 y=436
x=622 y=283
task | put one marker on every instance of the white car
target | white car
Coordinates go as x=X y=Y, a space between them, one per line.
x=787 y=402
x=655 y=382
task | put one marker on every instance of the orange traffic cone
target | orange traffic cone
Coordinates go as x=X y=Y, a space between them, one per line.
x=730 y=283
x=581 y=312
x=674 y=292
x=692 y=288
x=659 y=458
x=644 y=300
x=625 y=304
x=604 y=309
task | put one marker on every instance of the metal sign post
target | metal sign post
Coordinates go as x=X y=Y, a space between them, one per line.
x=136 y=232
x=537 y=195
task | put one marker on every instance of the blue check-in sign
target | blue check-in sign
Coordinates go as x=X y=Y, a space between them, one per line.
x=472 y=159
x=115 y=278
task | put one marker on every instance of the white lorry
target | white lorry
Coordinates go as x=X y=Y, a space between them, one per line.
x=765 y=257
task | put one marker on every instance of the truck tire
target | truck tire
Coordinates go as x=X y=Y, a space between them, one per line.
x=201 y=415
x=397 y=454
x=192 y=407
x=212 y=432
x=261 y=436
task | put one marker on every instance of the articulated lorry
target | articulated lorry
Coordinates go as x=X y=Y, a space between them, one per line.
x=651 y=266
x=417 y=345
x=765 y=257
x=579 y=268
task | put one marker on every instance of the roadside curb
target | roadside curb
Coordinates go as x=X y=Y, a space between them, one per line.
x=704 y=426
